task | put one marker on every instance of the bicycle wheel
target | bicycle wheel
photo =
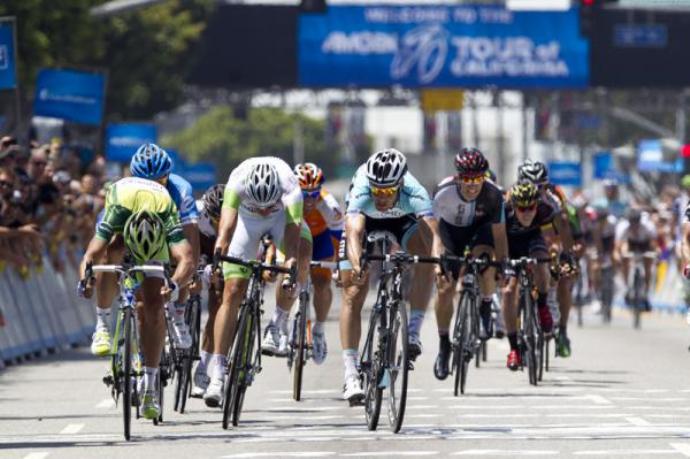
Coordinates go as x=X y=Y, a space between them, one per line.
x=637 y=298
x=126 y=376
x=398 y=364
x=530 y=341
x=371 y=371
x=547 y=345
x=234 y=365
x=300 y=351
x=462 y=349
x=541 y=344
x=607 y=285
x=185 y=380
x=240 y=388
x=485 y=351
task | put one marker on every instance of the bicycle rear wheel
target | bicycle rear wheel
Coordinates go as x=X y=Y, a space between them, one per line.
x=528 y=323
x=547 y=345
x=462 y=349
x=234 y=365
x=240 y=388
x=541 y=345
x=300 y=351
x=398 y=364
x=127 y=373
x=185 y=382
x=371 y=371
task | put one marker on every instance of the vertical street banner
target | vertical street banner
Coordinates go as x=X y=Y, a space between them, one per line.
x=442 y=46
x=8 y=65
x=123 y=139
x=565 y=173
x=71 y=95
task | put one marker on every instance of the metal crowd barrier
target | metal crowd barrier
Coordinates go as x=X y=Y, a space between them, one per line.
x=41 y=313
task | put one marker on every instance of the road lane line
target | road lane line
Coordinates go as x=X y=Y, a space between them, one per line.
x=638 y=421
x=71 y=429
x=625 y=452
x=598 y=399
x=282 y=454
x=500 y=452
x=106 y=403
x=37 y=455
x=390 y=453
x=682 y=448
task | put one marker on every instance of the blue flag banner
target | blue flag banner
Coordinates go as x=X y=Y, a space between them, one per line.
x=442 y=46
x=123 y=139
x=200 y=175
x=565 y=173
x=603 y=164
x=8 y=72
x=71 y=95
x=651 y=158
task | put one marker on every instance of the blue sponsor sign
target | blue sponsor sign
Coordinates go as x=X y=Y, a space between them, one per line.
x=640 y=35
x=71 y=95
x=123 y=139
x=8 y=72
x=603 y=165
x=650 y=158
x=200 y=175
x=442 y=46
x=565 y=173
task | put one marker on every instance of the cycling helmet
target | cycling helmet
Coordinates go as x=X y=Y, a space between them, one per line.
x=262 y=185
x=535 y=172
x=685 y=181
x=610 y=183
x=144 y=235
x=150 y=162
x=386 y=167
x=471 y=161
x=213 y=200
x=634 y=216
x=309 y=175
x=524 y=193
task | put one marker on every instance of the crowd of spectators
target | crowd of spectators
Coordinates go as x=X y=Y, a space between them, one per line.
x=49 y=201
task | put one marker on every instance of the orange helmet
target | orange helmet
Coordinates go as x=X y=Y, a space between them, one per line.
x=309 y=175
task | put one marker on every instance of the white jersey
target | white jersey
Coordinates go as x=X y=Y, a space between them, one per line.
x=205 y=226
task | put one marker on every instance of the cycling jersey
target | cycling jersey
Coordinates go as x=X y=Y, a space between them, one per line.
x=544 y=216
x=325 y=216
x=451 y=207
x=235 y=196
x=132 y=194
x=205 y=225
x=182 y=195
x=639 y=240
x=413 y=199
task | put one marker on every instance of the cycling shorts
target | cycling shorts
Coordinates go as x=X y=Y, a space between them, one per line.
x=457 y=238
x=247 y=238
x=527 y=244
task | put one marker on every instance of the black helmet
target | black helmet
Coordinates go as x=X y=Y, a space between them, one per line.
x=213 y=200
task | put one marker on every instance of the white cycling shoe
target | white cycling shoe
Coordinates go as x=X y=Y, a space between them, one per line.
x=200 y=382
x=319 y=349
x=275 y=342
x=214 y=393
x=181 y=335
x=352 y=391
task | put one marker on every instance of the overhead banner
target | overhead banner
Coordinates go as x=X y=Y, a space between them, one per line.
x=441 y=46
x=651 y=157
x=70 y=95
x=123 y=139
x=8 y=72
x=565 y=173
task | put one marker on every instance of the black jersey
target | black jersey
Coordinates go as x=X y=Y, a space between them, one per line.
x=450 y=206
x=545 y=215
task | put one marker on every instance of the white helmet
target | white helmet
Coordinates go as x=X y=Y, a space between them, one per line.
x=262 y=185
x=386 y=167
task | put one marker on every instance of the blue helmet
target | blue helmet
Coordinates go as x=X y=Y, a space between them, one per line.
x=150 y=162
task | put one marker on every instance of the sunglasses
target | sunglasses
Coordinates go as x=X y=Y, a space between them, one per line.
x=311 y=194
x=388 y=192
x=527 y=208
x=474 y=180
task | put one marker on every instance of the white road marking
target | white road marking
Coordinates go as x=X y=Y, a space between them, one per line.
x=647 y=399
x=71 y=429
x=390 y=453
x=37 y=455
x=638 y=421
x=283 y=454
x=682 y=448
x=106 y=403
x=598 y=399
x=625 y=452
x=500 y=452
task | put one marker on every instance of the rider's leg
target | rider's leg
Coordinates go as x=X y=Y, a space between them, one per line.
x=225 y=323
x=152 y=329
x=351 y=320
x=541 y=280
x=565 y=301
x=419 y=243
x=444 y=315
x=510 y=317
x=106 y=291
x=487 y=286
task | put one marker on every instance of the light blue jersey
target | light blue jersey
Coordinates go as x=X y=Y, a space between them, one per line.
x=413 y=198
x=181 y=192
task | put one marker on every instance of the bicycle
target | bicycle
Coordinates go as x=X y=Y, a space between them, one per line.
x=608 y=285
x=244 y=357
x=638 y=297
x=531 y=341
x=385 y=359
x=125 y=362
x=466 y=343
x=300 y=343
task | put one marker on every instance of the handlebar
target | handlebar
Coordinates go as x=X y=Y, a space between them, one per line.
x=523 y=262
x=257 y=265
x=399 y=257
x=126 y=270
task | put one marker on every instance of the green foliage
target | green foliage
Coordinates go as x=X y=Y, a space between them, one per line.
x=145 y=52
x=223 y=139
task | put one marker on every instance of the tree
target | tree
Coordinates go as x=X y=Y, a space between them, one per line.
x=226 y=140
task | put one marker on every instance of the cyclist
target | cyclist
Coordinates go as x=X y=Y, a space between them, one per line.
x=603 y=233
x=153 y=163
x=262 y=196
x=526 y=213
x=615 y=205
x=561 y=241
x=384 y=197
x=324 y=217
x=470 y=210
x=141 y=217
x=636 y=237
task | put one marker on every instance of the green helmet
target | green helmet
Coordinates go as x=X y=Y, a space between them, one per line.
x=524 y=193
x=685 y=181
x=144 y=235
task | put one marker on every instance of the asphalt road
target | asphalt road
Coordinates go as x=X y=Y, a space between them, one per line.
x=623 y=393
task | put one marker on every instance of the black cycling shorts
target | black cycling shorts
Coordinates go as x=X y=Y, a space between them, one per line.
x=526 y=244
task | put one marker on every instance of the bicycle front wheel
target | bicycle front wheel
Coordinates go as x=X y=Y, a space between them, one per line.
x=300 y=351
x=127 y=373
x=371 y=371
x=462 y=342
x=637 y=298
x=240 y=388
x=234 y=365
x=530 y=333
x=398 y=366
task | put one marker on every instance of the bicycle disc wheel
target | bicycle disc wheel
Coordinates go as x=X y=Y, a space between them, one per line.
x=398 y=366
x=300 y=351
x=234 y=365
x=126 y=381
x=371 y=371
x=240 y=388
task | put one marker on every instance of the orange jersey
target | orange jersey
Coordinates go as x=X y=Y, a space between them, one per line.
x=326 y=215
